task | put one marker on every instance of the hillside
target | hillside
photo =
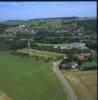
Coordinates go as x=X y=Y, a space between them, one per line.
x=15 y=22
x=51 y=30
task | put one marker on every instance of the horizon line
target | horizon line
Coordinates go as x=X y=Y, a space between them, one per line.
x=49 y=18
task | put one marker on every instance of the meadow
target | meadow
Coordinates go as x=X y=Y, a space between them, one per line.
x=42 y=54
x=28 y=79
x=84 y=83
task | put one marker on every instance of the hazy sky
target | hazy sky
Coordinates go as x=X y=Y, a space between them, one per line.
x=29 y=10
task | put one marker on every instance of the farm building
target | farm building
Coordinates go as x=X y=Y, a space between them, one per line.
x=81 y=46
x=73 y=64
x=77 y=46
x=69 y=65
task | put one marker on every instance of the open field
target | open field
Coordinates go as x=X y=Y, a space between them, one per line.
x=84 y=83
x=44 y=54
x=43 y=44
x=28 y=79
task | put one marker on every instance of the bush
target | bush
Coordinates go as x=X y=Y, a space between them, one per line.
x=19 y=53
x=88 y=66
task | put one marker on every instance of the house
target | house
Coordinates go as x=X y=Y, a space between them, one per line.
x=65 y=57
x=63 y=47
x=73 y=64
x=81 y=57
x=55 y=47
x=68 y=65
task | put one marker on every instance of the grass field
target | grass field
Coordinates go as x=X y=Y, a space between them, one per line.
x=28 y=79
x=44 y=54
x=43 y=44
x=84 y=83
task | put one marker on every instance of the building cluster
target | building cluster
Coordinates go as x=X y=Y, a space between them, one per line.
x=12 y=31
x=77 y=46
x=81 y=46
x=78 y=58
x=71 y=64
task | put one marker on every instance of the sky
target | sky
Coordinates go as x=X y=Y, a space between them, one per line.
x=31 y=10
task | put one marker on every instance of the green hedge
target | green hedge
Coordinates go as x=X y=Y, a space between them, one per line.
x=88 y=68
x=35 y=57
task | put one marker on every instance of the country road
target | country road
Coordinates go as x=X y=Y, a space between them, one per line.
x=67 y=88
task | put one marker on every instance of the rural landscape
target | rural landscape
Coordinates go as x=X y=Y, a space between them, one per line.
x=50 y=58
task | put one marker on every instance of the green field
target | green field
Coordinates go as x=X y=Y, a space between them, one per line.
x=44 y=54
x=28 y=79
x=84 y=83
x=43 y=44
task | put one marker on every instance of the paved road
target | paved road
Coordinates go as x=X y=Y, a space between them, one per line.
x=67 y=88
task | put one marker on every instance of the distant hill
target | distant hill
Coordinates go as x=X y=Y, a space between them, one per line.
x=17 y=22
x=13 y=22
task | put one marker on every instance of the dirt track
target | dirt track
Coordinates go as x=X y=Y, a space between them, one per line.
x=67 y=88
x=4 y=96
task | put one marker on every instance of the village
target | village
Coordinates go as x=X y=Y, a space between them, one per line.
x=48 y=51
x=77 y=51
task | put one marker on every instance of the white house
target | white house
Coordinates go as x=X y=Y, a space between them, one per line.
x=73 y=64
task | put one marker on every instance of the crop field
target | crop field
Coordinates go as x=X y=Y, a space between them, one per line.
x=44 y=54
x=28 y=79
x=43 y=44
x=84 y=84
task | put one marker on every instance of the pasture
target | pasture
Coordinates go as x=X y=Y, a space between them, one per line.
x=84 y=83
x=28 y=79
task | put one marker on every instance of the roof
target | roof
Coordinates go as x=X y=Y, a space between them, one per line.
x=81 y=57
x=72 y=63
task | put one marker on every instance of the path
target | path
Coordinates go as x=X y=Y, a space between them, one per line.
x=67 y=88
